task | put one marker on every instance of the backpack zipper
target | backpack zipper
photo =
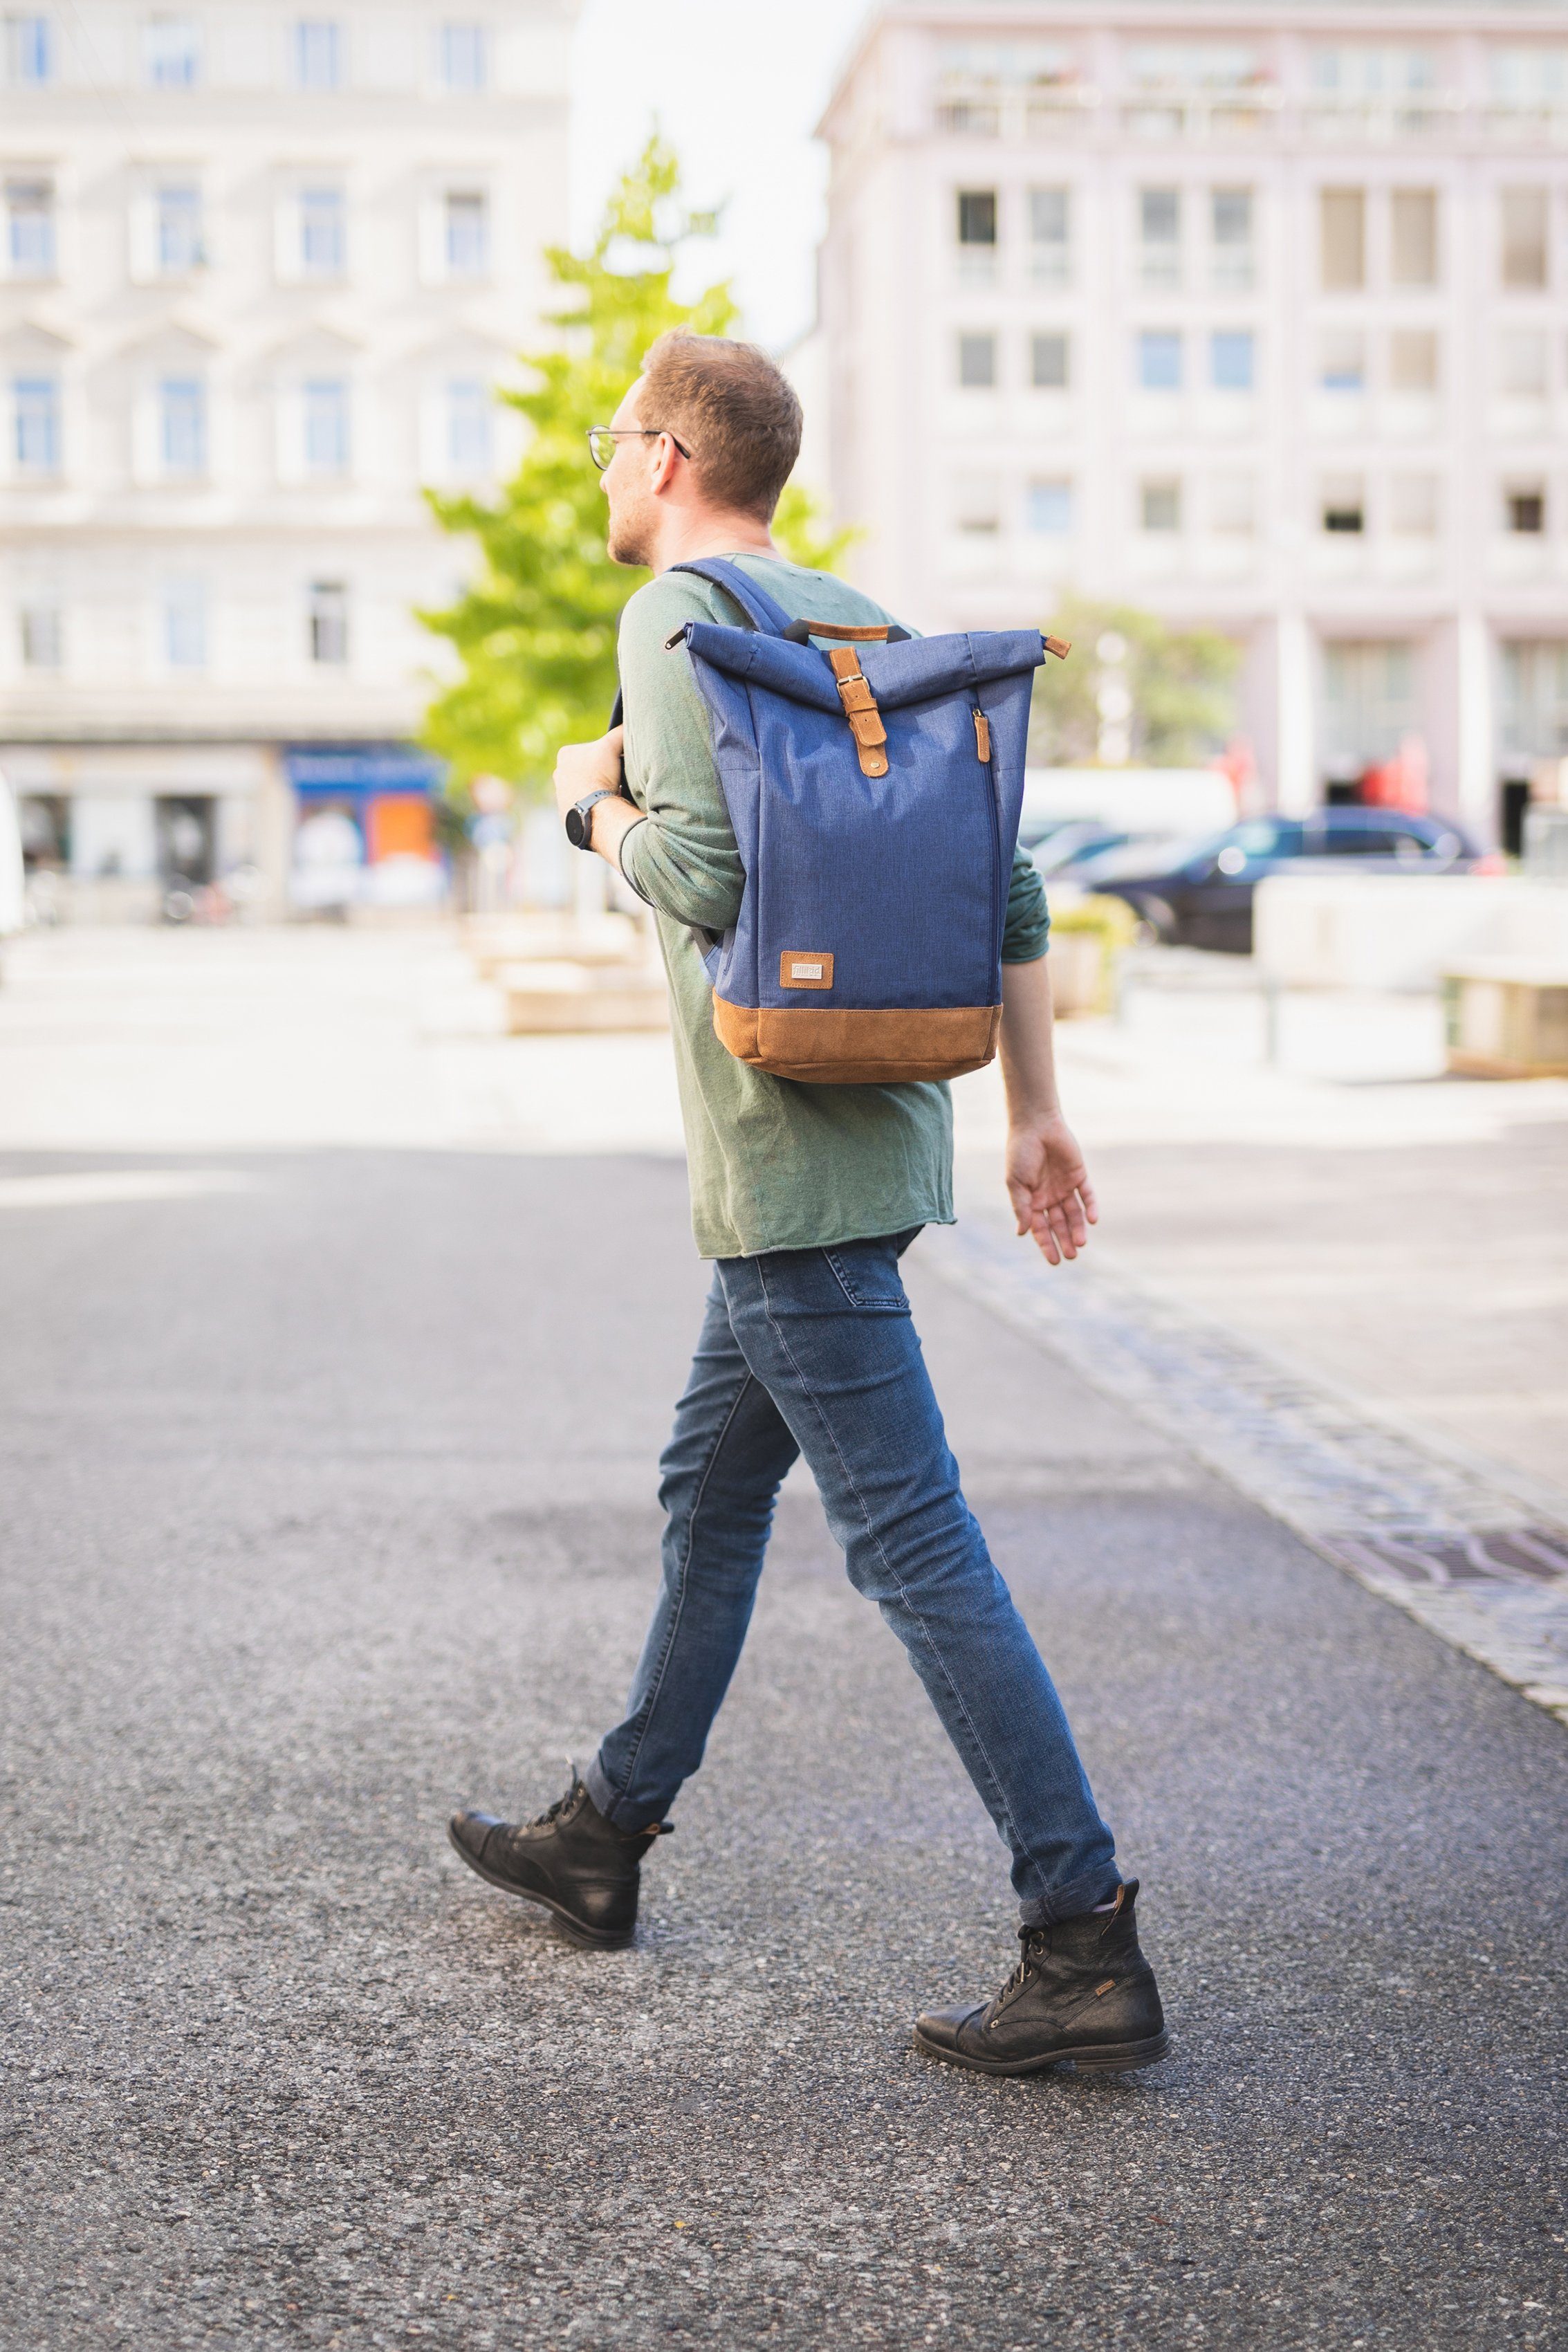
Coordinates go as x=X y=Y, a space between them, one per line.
x=983 y=752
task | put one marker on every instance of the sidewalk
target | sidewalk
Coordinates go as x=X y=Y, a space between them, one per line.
x=1398 y=1233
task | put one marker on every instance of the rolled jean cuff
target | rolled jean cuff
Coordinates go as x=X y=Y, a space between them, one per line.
x=613 y=1808
x=1069 y=1902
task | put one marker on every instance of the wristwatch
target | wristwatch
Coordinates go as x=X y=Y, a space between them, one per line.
x=579 y=819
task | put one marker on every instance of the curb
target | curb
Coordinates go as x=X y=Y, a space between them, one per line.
x=1478 y=1559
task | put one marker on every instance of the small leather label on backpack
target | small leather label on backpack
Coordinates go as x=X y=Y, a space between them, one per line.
x=805 y=968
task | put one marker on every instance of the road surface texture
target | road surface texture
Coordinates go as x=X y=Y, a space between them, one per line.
x=326 y=1506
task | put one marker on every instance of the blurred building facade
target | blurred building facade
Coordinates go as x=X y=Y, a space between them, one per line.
x=1250 y=315
x=261 y=266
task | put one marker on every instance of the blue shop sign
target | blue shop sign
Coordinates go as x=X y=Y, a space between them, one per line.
x=334 y=769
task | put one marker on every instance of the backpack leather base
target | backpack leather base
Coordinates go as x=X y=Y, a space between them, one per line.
x=848 y=1047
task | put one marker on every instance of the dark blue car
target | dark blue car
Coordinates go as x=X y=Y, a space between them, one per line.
x=1198 y=894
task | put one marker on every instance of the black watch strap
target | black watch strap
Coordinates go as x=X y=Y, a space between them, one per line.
x=580 y=818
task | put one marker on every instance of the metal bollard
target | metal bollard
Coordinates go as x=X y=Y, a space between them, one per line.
x=1273 y=998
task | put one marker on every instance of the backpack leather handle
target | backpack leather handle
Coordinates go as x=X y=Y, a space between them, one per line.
x=801 y=632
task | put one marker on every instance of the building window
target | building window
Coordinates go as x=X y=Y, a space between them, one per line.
x=326 y=406
x=468 y=234
x=1523 y=366
x=1413 y=505
x=1160 y=235
x=1159 y=506
x=1231 y=505
x=323 y=232
x=977 y=506
x=1530 y=78
x=1343 y=509
x=1159 y=360
x=42 y=636
x=1050 y=235
x=1230 y=359
x=1524 y=510
x=329 y=619
x=468 y=409
x=1048 y=508
x=177 y=212
x=30 y=229
x=318 y=53
x=1230 y=229
x=182 y=424
x=172 y=52
x=1341 y=364
x=977 y=218
x=1369 y=701
x=1412 y=236
x=185 y=625
x=1524 y=257
x=1368 y=72
x=29 y=51
x=465 y=57
x=1534 y=699
x=36 y=427
x=1049 y=362
x=977 y=362
x=1412 y=360
x=1341 y=228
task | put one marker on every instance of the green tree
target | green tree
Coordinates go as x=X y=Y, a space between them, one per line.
x=802 y=534
x=1180 y=682
x=535 y=633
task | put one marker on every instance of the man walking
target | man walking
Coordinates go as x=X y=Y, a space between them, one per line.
x=806 y=1197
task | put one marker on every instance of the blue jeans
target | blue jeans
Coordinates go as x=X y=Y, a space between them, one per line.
x=813 y=1352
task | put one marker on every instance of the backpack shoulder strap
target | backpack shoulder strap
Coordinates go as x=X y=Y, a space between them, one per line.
x=706 y=943
x=757 y=605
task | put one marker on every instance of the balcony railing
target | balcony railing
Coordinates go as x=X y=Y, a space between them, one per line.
x=1210 y=117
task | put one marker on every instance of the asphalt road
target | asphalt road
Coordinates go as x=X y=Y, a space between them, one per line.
x=326 y=1505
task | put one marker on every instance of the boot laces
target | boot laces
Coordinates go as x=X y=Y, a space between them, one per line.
x=553 y=1813
x=1033 y=1942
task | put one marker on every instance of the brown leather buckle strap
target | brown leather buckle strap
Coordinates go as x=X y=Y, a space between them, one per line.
x=860 y=710
x=876 y=632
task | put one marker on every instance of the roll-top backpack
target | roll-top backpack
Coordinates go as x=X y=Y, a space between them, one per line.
x=875 y=790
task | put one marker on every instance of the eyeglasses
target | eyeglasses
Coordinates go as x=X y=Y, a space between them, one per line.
x=601 y=440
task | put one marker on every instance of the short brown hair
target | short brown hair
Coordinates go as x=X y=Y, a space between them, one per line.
x=735 y=409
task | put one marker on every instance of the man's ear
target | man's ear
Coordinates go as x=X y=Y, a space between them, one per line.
x=666 y=460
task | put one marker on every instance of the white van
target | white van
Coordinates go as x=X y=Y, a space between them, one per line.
x=1134 y=802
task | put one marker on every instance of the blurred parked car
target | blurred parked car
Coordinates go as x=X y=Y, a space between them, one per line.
x=1198 y=894
x=1066 y=847
x=1134 y=802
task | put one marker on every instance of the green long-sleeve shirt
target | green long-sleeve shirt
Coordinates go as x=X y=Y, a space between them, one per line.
x=774 y=1165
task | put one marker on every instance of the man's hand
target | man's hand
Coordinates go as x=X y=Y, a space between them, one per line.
x=1049 y=1186
x=585 y=768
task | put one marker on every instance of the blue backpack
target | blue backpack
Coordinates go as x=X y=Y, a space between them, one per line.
x=874 y=791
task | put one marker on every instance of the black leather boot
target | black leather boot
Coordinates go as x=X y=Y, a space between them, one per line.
x=1082 y=1990
x=571 y=1860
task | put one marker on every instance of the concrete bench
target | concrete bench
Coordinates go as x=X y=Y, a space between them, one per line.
x=1507 y=1020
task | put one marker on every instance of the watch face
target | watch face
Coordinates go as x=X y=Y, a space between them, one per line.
x=576 y=827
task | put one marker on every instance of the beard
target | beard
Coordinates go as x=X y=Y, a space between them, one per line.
x=630 y=538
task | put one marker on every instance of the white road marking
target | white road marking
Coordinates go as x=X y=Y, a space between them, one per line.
x=90 y=1188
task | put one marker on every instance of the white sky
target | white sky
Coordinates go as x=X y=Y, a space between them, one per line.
x=735 y=86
